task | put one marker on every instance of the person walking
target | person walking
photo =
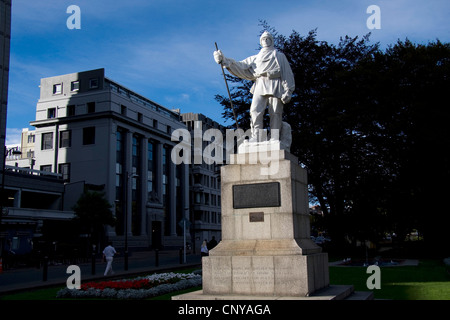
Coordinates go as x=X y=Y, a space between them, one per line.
x=108 y=255
x=212 y=243
x=204 y=248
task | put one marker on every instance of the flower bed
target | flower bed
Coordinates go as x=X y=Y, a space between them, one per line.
x=137 y=288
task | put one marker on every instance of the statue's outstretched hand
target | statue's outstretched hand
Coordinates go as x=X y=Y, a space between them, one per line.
x=218 y=56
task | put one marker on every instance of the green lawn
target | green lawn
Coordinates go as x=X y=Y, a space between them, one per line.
x=40 y=294
x=428 y=281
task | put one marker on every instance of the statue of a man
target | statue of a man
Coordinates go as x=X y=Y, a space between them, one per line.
x=273 y=87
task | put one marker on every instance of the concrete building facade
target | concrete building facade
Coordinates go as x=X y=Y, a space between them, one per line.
x=5 y=40
x=96 y=132
x=204 y=186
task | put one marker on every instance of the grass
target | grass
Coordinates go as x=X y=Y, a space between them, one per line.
x=39 y=294
x=428 y=281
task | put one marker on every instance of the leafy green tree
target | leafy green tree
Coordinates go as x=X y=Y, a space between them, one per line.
x=93 y=213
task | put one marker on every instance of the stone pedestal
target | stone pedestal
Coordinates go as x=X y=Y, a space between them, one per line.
x=266 y=248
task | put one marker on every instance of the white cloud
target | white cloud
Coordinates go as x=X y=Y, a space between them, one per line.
x=13 y=137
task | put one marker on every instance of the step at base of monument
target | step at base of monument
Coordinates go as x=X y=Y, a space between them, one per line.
x=361 y=295
x=333 y=292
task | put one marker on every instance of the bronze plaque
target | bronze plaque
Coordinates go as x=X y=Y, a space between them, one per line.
x=256 y=195
x=256 y=216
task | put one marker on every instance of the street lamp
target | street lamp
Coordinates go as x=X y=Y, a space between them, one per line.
x=129 y=175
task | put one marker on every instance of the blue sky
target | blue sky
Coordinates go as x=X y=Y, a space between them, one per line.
x=163 y=49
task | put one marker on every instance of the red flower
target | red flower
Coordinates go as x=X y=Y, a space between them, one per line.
x=128 y=284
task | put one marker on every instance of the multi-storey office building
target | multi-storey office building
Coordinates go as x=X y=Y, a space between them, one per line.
x=93 y=130
x=204 y=186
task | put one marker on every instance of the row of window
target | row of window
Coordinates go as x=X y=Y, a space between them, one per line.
x=63 y=168
x=51 y=112
x=65 y=138
x=205 y=180
x=74 y=86
x=91 y=107
x=141 y=100
x=140 y=118
x=207 y=199
x=207 y=216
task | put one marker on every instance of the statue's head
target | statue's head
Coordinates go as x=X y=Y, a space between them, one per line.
x=266 y=39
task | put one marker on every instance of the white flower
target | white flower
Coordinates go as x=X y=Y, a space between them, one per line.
x=186 y=281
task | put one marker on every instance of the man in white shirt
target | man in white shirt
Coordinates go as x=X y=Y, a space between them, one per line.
x=108 y=254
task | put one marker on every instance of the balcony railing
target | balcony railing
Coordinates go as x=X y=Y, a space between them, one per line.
x=41 y=173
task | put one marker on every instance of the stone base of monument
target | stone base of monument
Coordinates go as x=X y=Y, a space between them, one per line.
x=266 y=250
x=272 y=268
x=333 y=292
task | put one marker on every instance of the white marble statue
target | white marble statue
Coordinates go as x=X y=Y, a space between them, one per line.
x=273 y=87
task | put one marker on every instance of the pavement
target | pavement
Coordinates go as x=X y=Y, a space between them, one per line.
x=26 y=278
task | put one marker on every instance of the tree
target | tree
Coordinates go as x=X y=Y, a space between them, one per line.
x=93 y=213
x=417 y=79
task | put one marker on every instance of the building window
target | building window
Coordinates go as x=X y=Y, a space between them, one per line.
x=166 y=189
x=88 y=135
x=75 y=86
x=140 y=117
x=151 y=170
x=136 y=185
x=120 y=161
x=47 y=141
x=65 y=139
x=57 y=88
x=93 y=83
x=31 y=138
x=64 y=169
x=46 y=168
x=179 y=170
x=51 y=113
x=123 y=110
x=70 y=110
x=91 y=107
x=136 y=151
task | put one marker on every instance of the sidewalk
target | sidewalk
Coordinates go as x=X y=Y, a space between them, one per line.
x=22 y=279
